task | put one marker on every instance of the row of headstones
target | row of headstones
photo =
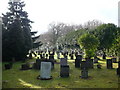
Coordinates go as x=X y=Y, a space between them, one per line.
x=45 y=54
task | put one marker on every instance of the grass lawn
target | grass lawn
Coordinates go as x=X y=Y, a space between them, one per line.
x=99 y=78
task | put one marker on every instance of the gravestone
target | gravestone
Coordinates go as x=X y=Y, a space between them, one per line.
x=109 y=64
x=99 y=66
x=64 y=71
x=45 y=71
x=76 y=53
x=114 y=60
x=83 y=65
x=71 y=56
x=51 y=59
x=37 y=65
x=118 y=69
x=118 y=72
x=118 y=64
x=41 y=56
x=25 y=67
x=8 y=66
x=78 y=61
x=47 y=56
x=90 y=63
x=84 y=73
x=63 y=61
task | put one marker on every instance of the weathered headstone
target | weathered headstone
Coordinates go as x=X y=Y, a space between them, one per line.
x=78 y=61
x=84 y=73
x=45 y=72
x=109 y=64
x=64 y=71
x=63 y=61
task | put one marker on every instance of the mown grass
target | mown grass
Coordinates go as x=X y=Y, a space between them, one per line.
x=99 y=78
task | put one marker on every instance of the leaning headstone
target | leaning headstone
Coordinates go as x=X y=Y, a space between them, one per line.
x=45 y=72
x=84 y=73
x=109 y=64
x=63 y=61
x=64 y=71
x=78 y=61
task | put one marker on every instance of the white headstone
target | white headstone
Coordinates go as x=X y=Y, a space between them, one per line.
x=45 y=71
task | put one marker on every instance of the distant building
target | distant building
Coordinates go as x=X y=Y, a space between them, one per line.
x=119 y=14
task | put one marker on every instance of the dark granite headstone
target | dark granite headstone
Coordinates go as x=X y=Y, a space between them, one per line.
x=84 y=73
x=63 y=61
x=71 y=57
x=99 y=66
x=64 y=71
x=118 y=64
x=78 y=61
x=118 y=72
x=109 y=64
x=90 y=63
x=8 y=66
x=83 y=65
x=51 y=57
x=46 y=55
x=114 y=60
x=25 y=67
x=37 y=65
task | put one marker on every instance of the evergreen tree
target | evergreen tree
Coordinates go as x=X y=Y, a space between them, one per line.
x=16 y=36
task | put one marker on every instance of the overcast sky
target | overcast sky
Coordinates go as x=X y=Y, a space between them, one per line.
x=44 y=12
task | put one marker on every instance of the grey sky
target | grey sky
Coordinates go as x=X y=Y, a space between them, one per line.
x=43 y=12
